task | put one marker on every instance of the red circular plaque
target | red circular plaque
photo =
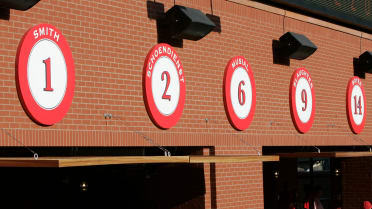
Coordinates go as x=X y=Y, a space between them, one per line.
x=356 y=107
x=239 y=93
x=164 y=89
x=45 y=74
x=302 y=100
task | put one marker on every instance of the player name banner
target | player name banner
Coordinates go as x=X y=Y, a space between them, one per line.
x=239 y=93
x=356 y=105
x=45 y=74
x=164 y=88
x=302 y=100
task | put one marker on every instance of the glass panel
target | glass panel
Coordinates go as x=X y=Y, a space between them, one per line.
x=303 y=165
x=321 y=165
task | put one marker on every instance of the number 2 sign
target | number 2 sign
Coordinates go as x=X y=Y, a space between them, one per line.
x=302 y=100
x=163 y=86
x=356 y=105
x=239 y=93
x=45 y=74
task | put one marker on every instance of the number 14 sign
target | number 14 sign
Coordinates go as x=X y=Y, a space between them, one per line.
x=356 y=105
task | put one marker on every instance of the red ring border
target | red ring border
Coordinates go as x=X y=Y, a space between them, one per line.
x=300 y=126
x=356 y=129
x=160 y=120
x=33 y=110
x=235 y=121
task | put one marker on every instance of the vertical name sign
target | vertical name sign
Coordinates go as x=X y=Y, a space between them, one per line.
x=45 y=74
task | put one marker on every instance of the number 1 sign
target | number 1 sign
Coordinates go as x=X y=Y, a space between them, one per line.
x=302 y=100
x=356 y=105
x=45 y=74
x=163 y=86
x=239 y=93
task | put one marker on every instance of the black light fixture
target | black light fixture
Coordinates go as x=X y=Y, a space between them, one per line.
x=295 y=46
x=18 y=4
x=365 y=62
x=187 y=23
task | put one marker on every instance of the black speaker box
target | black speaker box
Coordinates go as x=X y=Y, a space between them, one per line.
x=296 y=46
x=365 y=61
x=18 y=4
x=188 y=23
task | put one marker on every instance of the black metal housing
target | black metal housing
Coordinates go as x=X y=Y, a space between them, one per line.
x=365 y=61
x=188 y=23
x=18 y=4
x=296 y=46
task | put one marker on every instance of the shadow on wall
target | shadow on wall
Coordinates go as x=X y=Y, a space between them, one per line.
x=277 y=58
x=156 y=11
x=212 y=177
x=4 y=13
x=358 y=71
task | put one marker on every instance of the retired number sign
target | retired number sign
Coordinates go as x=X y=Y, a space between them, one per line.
x=45 y=74
x=163 y=86
x=302 y=100
x=239 y=93
x=356 y=105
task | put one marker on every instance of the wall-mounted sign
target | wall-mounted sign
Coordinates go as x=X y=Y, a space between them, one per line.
x=356 y=105
x=302 y=100
x=239 y=93
x=164 y=89
x=45 y=74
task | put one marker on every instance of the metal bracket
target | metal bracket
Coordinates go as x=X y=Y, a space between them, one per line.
x=107 y=115
x=317 y=149
x=246 y=143
x=36 y=156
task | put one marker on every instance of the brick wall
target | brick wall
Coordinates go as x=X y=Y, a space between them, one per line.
x=356 y=182
x=109 y=40
x=237 y=185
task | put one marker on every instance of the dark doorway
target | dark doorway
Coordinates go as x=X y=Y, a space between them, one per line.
x=291 y=182
x=150 y=186
x=140 y=186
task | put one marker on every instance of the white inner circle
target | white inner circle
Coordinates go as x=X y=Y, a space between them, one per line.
x=158 y=86
x=240 y=74
x=357 y=113
x=36 y=74
x=304 y=113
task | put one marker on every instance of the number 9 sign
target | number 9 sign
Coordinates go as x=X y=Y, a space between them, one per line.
x=239 y=93
x=356 y=105
x=163 y=86
x=302 y=100
x=45 y=74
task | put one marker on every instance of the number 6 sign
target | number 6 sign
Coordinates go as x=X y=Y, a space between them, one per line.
x=45 y=74
x=163 y=86
x=239 y=93
x=302 y=100
x=356 y=105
